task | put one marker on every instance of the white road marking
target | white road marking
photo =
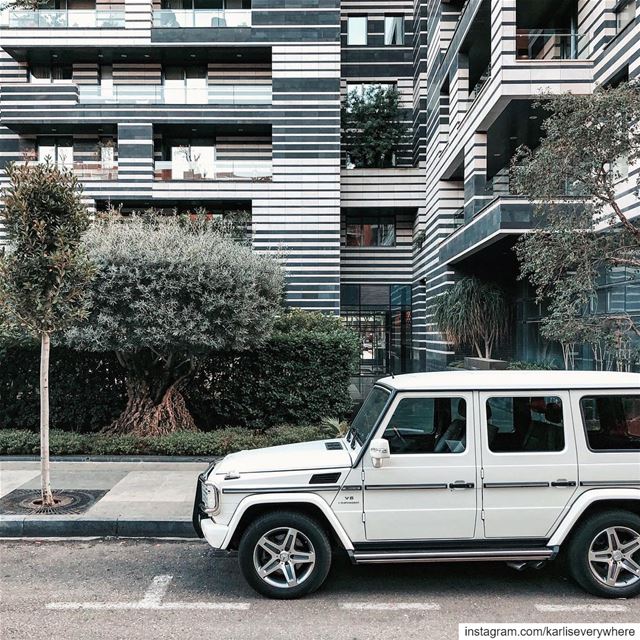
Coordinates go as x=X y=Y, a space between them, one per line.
x=390 y=606
x=152 y=599
x=551 y=608
x=156 y=591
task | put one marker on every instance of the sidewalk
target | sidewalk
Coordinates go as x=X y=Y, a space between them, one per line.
x=142 y=499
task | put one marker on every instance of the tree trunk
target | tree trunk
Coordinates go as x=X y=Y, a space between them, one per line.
x=45 y=473
x=150 y=413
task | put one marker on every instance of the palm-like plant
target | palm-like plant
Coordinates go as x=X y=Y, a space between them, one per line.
x=473 y=312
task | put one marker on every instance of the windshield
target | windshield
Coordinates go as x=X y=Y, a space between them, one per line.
x=369 y=413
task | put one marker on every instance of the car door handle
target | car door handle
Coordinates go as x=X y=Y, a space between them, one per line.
x=461 y=484
x=563 y=483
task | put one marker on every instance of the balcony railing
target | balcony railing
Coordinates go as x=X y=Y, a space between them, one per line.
x=62 y=19
x=223 y=94
x=180 y=18
x=238 y=170
x=86 y=170
x=539 y=44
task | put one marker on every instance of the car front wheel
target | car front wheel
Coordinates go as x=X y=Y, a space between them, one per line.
x=285 y=555
x=604 y=555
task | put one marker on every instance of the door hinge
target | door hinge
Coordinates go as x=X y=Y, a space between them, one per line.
x=482 y=514
x=364 y=517
x=482 y=472
x=362 y=475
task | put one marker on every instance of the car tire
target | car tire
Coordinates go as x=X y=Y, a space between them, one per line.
x=598 y=559
x=285 y=555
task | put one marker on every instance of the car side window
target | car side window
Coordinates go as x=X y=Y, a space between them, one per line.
x=525 y=424
x=612 y=422
x=428 y=425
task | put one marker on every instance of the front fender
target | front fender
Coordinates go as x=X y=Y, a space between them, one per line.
x=283 y=499
x=582 y=503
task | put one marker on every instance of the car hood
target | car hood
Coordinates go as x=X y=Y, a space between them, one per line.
x=288 y=457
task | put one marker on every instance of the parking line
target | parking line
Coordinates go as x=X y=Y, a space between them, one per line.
x=551 y=608
x=390 y=606
x=152 y=600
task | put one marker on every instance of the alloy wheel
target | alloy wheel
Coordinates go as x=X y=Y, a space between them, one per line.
x=614 y=557
x=284 y=557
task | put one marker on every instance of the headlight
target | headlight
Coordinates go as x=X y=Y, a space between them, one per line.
x=210 y=498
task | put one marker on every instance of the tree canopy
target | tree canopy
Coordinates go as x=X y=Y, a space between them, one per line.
x=166 y=292
x=583 y=236
x=473 y=312
x=372 y=126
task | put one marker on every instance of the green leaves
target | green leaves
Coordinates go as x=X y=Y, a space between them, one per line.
x=372 y=126
x=171 y=287
x=45 y=272
x=582 y=237
x=473 y=313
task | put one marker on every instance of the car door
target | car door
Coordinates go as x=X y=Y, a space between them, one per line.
x=529 y=461
x=427 y=488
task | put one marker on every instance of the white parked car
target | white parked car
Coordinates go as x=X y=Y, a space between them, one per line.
x=515 y=466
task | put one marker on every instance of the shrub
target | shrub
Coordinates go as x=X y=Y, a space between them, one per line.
x=299 y=376
x=185 y=443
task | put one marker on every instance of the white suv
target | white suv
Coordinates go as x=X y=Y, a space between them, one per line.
x=453 y=466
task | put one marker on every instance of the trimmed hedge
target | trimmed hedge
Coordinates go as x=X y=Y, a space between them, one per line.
x=214 y=443
x=299 y=376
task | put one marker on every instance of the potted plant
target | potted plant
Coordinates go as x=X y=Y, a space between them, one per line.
x=474 y=313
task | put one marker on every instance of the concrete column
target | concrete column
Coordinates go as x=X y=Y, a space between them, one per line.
x=135 y=158
x=458 y=91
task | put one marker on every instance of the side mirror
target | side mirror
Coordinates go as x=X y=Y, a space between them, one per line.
x=379 y=451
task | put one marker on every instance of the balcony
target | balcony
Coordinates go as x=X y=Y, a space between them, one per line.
x=222 y=94
x=62 y=19
x=539 y=44
x=189 y=18
x=232 y=170
x=87 y=171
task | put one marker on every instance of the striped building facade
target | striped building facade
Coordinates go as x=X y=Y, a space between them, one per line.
x=234 y=105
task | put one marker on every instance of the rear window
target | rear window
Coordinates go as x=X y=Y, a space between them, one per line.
x=612 y=422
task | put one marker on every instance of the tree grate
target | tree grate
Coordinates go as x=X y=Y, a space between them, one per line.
x=72 y=501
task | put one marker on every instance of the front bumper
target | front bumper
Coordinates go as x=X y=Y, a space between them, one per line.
x=215 y=534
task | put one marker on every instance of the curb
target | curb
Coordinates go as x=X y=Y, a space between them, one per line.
x=30 y=527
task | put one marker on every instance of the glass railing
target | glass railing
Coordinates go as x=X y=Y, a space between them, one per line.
x=249 y=170
x=179 y=18
x=62 y=19
x=86 y=170
x=153 y=94
x=539 y=44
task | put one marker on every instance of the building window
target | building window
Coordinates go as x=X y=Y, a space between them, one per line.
x=357 y=30
x=394 y=30
x=371 y=231
x=625 y=14
x=58 y=151
x=45 y=73
x=361 y=87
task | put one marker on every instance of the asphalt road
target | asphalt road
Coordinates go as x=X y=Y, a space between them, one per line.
x=126 y=589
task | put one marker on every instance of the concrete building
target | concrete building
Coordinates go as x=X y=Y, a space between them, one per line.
x=231 y=105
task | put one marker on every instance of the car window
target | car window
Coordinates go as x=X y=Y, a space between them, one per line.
x=612 y=422
x=524 y=424
x=428 y=425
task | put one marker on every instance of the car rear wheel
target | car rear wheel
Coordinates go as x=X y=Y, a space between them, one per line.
x=604 y=555
x=285 y=555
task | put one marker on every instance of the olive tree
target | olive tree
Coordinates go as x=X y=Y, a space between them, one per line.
x=44 y=272
x=473 y=312
x=166 y=293
x=583 y=234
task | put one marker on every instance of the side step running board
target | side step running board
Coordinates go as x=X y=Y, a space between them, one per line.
x=449 y=555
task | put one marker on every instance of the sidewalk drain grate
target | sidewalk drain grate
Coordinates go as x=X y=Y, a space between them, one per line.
x=72 y=501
